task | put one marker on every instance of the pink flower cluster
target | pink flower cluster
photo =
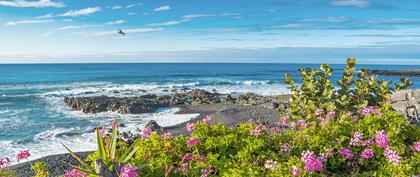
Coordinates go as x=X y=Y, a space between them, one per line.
x=75 y=173
x=145 y=133
x=285 y=147
x=102 y=132
x=167 y=135
x=183 y=168
x=367 y=154
x=206 y=172
x=4 y=162
x=356 y=140
x=381 y=139
x=319 y=112
x=312 y=163
x=270 y=164
x=128 y=171
x=368 y=142
x=295 y=170
x=346 y=153
x=190 y=127
x=392 y=156
x=301 y=123
x=23 y=154
x=207 y=120
x=188 y=156
x=258 y=130
x=285 y=121
x=416 y=147
x=366 y=111
x=192 y=141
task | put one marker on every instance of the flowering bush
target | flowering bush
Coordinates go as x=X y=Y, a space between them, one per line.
x=352 y=131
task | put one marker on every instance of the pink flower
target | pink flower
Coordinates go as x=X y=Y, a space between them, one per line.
x=392 y=156
x=285 y=121
x=183 y=168
x=23 y=154
x=145 y=133
x=167 y=135
x=75 y=173
x=190 y=127
x=202 y=158
x=346 y=153
x=4 y=162
x=270 y=164
x=355 y=117
x=285 y=147
x=258 y=130
x=188 y=157
x=114 y=124
x=369 y=110
x=381 y=139
x=329 y=153
x=311 y=162
x=357 y=139
x=207 y=120
x=192 y=141
x=416 y=147
x=368 y=142
x=102 y=132
x=128 y=171
x=367 y=154
x=319 y=112
x=331 y=114
x=206 y=172
x=301 y=123
x=295 y=170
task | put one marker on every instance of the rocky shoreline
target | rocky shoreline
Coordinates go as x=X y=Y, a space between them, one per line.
x=414 y=72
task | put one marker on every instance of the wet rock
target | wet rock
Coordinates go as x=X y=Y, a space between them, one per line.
x=414 y=72
x=154 y=126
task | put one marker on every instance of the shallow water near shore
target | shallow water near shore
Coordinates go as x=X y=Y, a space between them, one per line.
x=33 y=114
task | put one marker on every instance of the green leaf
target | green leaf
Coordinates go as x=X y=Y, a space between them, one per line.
x=113 y=145
x=130 y=154
x=101 y=146
x=76 y=157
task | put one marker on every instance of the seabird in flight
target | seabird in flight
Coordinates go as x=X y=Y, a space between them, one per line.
x=121 y=32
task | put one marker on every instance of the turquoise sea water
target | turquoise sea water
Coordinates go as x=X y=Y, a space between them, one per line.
x=32 y=113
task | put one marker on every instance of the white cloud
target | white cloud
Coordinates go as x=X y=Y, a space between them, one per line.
x=162 y=8
x=132 y=5
x=81 y=12
x=72 y=27
x=127 y=31
x=116 y=7
x=328 y=19
x=116 y=22
x=40 y=3
x=392 y=21
x=351 y=3
x=169 y=23
x=13 y=23
x=132 y=13
x=191 y=16
x=50 y=15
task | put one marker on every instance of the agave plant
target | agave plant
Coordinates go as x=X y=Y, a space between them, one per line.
x=109 y=161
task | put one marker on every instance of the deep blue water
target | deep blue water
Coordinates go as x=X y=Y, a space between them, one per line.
x=32 y=113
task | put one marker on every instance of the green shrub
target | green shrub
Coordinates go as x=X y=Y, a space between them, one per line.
x=349 y=131
x=40 y=169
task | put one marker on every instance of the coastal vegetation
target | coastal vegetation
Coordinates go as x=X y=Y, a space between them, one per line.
x=349 y=130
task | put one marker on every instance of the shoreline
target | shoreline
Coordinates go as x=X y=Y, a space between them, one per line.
x=230 y=115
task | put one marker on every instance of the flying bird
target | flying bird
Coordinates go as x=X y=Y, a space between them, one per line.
x=121 y=32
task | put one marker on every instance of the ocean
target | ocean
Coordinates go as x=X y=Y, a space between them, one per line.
x=33 y=115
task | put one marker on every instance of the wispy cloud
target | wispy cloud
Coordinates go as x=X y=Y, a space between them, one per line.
x=191 y=16
x=21 y=22
x=169 y=23
x=116 y=22
x=392 y=21
x=132 y=13
x=40 y=3
x=162 y=8
x=116 y=7
x=127 y=31
x=132 y=5
x=305 y=26
x=328 y=19
x=50 y=15
x=72 y=27
x=81 y=12
x=351 y=3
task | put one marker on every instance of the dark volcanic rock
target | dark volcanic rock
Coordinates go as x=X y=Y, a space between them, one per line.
x=154 y=126
x=150 y=103
x=414 y=72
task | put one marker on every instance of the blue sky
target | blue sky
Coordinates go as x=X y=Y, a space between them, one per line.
x=312 y=31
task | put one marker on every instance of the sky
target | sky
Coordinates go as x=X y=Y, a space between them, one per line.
x=266 y=31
